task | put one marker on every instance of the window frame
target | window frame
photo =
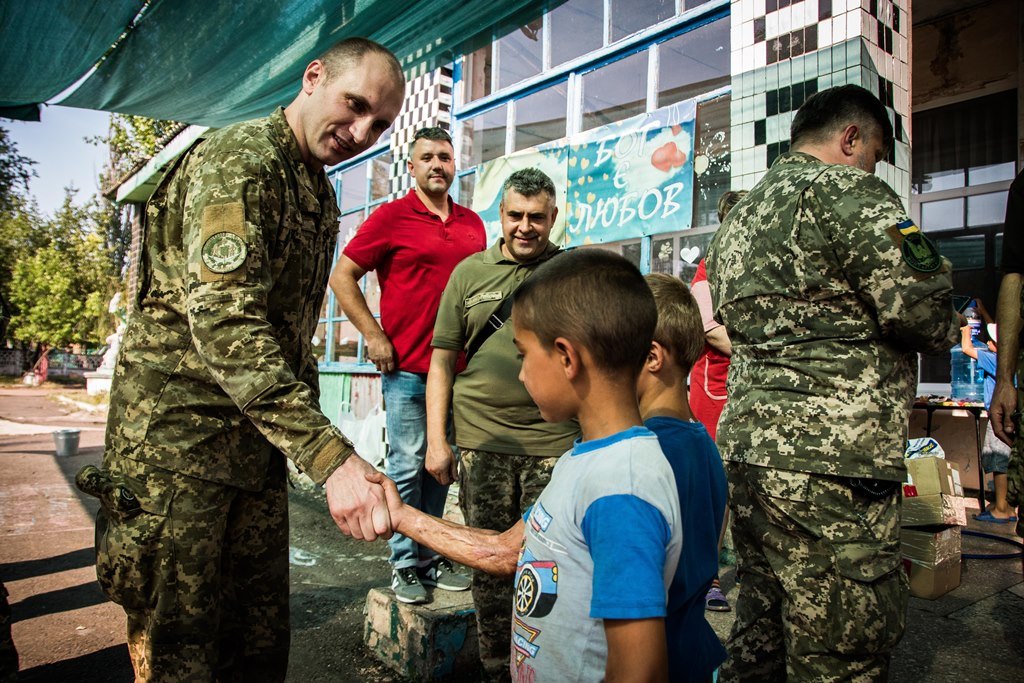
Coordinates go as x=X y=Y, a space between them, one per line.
x=571 y=72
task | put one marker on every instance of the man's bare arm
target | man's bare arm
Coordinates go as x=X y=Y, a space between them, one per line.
x=1004 y=398
x=440 y=461
x=966 y=344
x=483 y=549
x=718 y=339
x=345 y=283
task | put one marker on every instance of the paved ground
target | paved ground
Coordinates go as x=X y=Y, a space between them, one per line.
x=65 y=629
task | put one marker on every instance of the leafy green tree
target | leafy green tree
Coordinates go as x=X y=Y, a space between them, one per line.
x=59 y=290
x=22 y=231
x=132 y=140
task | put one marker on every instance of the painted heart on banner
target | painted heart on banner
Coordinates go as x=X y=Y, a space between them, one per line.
x=667 y=157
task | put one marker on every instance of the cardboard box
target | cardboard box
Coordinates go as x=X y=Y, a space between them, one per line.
x=931 y=557
x=933 y=582
x=932 y=510
x=929 y=476
x=930 y=545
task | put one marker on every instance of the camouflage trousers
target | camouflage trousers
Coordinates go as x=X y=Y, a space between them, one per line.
x=822 y=593
x=201 y=570
x=8 y=654
x=494 y=491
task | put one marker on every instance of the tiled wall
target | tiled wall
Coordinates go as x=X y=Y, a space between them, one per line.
x=784 y=51
x=428 y=102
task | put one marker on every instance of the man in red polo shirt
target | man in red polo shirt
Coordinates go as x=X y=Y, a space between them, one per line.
x=413 y=243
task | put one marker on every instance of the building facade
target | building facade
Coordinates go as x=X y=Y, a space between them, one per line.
x=646 y=111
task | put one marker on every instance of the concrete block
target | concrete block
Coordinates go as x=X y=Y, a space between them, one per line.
x=435 y=641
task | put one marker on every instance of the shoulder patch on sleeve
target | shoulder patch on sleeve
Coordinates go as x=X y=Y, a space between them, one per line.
x=224 y=247
x=919 y=252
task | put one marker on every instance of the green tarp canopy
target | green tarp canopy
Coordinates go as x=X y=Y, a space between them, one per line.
x=214 y=62
x=50 y=44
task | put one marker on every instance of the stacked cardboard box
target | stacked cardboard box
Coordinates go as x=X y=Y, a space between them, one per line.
x=933 y=512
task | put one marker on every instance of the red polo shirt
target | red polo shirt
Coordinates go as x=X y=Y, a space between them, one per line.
x=413 y=252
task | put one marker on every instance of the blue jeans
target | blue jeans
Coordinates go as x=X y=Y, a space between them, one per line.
x=406 y=414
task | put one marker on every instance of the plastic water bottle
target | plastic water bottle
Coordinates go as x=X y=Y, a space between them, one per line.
x=967 y=377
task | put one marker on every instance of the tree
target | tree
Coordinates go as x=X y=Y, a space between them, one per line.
x=59 y=290
x=132 y=140
x=15 y=171
x=22 y=231
x=110 y=222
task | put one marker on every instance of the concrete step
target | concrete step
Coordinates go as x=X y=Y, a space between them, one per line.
x=431 y=642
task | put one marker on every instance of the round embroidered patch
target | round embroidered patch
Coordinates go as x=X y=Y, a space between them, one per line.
x=224 y=252
x=920 y=253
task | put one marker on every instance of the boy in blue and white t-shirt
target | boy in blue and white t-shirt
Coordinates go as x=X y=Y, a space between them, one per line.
x=597 y=552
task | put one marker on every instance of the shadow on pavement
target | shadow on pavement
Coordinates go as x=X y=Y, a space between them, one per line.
x=95 y=667
x=76 y=559
x=53 y=602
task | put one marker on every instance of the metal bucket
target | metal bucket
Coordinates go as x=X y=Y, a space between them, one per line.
x=66 y=441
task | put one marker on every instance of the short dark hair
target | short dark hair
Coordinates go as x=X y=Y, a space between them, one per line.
x=728 y=200
x=349 y=51
x=435 y=133
x=529 y=182
x=680 y=328
x=596 y=299
x=830 y=110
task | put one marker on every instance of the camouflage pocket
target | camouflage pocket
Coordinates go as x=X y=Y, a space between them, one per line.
x=133 y=551
x=867 y=600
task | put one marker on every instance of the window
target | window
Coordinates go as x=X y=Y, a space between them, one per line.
x=577 y=27
x=476 y=74
x=520 y=54
x=693 y=63
x=614 y=92
x=630 y=16
x=540 y=117
x=712 y=169
x=353 y=188
x=361 y=188
x=483 y=137
x=606 y=85
x=380 y=176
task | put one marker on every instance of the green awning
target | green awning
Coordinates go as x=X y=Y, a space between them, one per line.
x=50 y=44
x=214 y=63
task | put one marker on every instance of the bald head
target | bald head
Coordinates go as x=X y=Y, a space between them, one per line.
x=349 y=53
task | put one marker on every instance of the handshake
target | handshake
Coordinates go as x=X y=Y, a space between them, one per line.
x=366 y=506
x=363 y=502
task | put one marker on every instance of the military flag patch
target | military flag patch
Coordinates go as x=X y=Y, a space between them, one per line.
x=919 y=252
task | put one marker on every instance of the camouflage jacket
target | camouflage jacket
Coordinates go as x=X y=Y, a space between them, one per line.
x=216 y=371
x=812 y=276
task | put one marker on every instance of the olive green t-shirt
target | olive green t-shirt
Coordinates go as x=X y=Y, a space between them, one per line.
x=493 y=411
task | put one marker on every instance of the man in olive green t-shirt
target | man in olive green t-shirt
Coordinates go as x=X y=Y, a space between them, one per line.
x=507 y=449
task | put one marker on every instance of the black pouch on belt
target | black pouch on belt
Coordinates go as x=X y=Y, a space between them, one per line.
x=873 y=489
x=114 y=495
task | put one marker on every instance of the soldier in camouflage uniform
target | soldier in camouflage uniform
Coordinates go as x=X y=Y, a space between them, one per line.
x=507 y=449
x=216 y=382
x=827 y=291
